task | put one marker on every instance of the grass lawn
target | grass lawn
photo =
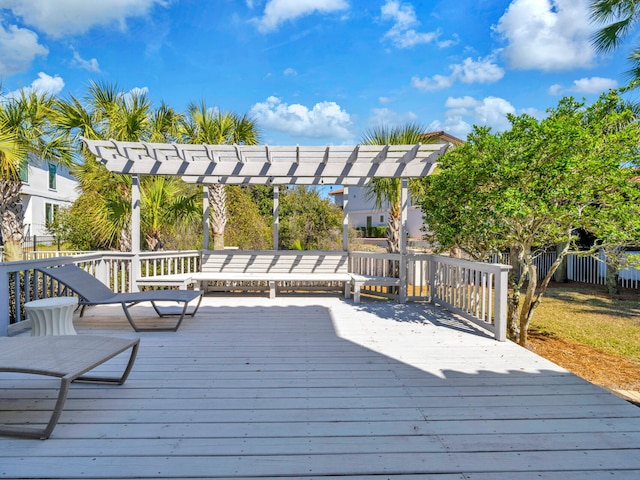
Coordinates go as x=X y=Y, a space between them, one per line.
x=591 y=333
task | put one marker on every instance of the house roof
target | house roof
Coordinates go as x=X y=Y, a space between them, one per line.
x=444 y=137
x=262 y=164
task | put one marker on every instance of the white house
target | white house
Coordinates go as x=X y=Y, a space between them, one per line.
x=45 y=188
x=361 y=207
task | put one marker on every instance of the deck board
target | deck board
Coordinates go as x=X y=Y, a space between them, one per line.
x=316 y=387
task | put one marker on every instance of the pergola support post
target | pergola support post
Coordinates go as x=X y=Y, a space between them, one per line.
x=205 y=217
x=404 y=207
x=135 y=232
x=345 y=218
x=276 y=216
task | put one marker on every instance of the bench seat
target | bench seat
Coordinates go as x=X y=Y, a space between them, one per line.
x=274 y=266
x=359 y=281
x=180 y=280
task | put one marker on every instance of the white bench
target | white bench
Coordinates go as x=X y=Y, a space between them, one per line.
x=180 y=280
x=359 y=281
x=275 y=266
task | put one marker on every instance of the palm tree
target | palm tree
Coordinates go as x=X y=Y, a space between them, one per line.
x=618 y=18
x=26 y=133
x=107 y=112
x=386 y=191
x=205 y=125
x=166 y=200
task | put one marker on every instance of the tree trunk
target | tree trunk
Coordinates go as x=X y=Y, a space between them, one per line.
x=515 y=282
x=560 y=274
x=393 y=232
x=513 y=330
x=218 y=207
x=612 y=280
x=11 y=219
x=526 y=312
x=125 y=237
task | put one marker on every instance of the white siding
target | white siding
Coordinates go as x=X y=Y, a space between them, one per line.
x=36 y=194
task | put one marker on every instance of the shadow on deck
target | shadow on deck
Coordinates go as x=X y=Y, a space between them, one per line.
x=313 y=387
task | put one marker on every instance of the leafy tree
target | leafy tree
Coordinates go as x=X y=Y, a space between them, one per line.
x=26 y=134
x=619 y=18
x=533 y=186
x=206 y=125
x=246 y=229
x=308 y=221
x=386 y=191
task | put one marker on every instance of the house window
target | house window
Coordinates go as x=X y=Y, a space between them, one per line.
x=24 y=171
x=49 y=213
x=52 y=176
x=369 y=222
x=381 y=218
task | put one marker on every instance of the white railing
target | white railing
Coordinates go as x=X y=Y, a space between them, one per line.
x=42 y=254
x=477 y=291
x=20 y=282
x=169 y=263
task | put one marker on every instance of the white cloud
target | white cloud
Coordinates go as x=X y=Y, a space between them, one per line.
x=385 y=100
x=591 y=85
x=48 y=84
x=555 y=89
x=44 y=84
x=69 y=17
x=89 y=65
x=484 y=70
x=402 y=34
x=437 y=82
x=463 y=112
x=18 y=48
x=547 y=34
x=135 y=92
x=324 y=119
x=277 y=12
x=386 y=116
x=290 y=72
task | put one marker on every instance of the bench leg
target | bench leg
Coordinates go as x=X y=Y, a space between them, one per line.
x=356 y=292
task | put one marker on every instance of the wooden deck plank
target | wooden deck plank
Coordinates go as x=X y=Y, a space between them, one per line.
x=311 y=387
x=212 y=466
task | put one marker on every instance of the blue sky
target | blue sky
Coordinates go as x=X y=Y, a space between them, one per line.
x=316 y=72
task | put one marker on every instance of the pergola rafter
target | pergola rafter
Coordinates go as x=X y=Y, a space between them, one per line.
x=260 y=164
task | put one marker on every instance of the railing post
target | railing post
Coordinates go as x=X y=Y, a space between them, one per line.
x=4 y=300
x=433 y=279
x=500 y=303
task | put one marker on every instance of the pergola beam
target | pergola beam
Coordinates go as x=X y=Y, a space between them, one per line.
x=236 y=164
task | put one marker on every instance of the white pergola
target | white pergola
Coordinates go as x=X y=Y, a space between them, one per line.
x=265 y=165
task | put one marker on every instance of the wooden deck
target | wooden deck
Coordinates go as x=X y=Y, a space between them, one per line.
x=313 y=386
